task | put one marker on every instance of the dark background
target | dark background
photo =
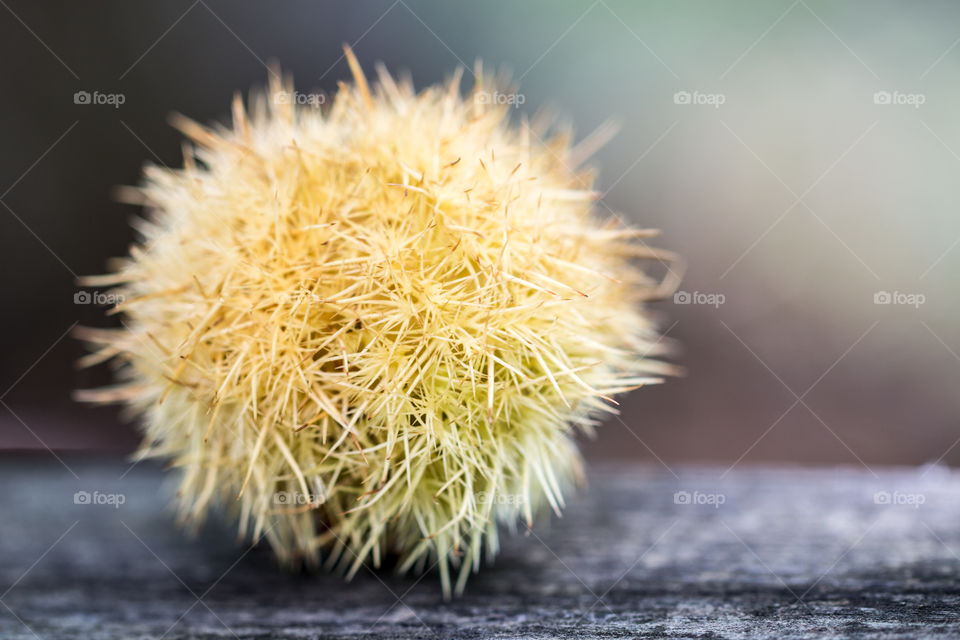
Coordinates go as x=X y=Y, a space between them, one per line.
x=798 y=199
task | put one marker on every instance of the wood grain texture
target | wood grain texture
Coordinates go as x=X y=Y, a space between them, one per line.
x=788 y=554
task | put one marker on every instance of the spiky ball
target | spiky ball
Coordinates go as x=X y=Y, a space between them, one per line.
x=374 y=328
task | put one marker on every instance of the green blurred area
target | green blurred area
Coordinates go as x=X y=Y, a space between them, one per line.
x=799 y=198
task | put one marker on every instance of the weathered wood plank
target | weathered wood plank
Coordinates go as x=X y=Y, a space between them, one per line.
x=786 y=554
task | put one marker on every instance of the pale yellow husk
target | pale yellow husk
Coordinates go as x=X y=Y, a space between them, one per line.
x=374 y=329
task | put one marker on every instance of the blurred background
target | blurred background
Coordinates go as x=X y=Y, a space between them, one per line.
x=802 y=155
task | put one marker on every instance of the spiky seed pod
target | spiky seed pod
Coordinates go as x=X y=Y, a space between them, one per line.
x=375 y=329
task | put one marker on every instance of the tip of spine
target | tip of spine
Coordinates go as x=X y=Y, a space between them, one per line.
x=358 y=76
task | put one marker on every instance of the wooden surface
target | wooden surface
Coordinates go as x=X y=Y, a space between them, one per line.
x=787 y=554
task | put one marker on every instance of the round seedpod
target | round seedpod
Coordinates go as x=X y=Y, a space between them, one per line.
x=372 y=325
